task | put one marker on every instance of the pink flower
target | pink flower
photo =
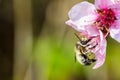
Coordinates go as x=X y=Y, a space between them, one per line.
x=104 y=15
x=100 y=19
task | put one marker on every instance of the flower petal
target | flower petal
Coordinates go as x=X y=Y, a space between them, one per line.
x=80 y=10
x=75 y=26
x=103 y=3
x=100 y=60
x=100 y=53
x=86 y=20
x=116 y=9
x=80 y=24
x=115 y=31
x=115 y=34
x=115 y=1
x=92 y=30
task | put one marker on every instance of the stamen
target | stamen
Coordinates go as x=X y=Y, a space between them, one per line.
x=106 y=17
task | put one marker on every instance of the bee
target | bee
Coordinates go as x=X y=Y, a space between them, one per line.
x=83 y=51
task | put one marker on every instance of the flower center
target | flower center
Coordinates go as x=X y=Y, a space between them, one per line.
x=106 y=18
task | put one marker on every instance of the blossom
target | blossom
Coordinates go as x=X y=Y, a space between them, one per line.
x=100 y=19
x=104 y=15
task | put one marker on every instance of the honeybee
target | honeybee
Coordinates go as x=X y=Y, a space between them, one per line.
x=83 y=51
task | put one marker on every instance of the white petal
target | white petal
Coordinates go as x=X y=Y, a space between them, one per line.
x=80 y=10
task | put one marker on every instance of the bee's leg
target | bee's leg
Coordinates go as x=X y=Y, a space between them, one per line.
x=84 y=43
x=91 y=46
x=93 y=60
x=90 y=41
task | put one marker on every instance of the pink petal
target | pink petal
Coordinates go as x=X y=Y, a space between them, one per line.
x=116 y=24
x=75 y=26
x=80 y=10
x=100 y=53
x=100 y=60
x=92 y=30
x=86 y=20
x=116 y=9
x=80 y=24
x=103 y=3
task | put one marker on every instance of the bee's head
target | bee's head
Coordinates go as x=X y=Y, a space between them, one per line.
x=78 y=45
x=83 y=40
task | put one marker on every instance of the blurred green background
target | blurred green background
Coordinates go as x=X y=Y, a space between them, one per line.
x=36 y=44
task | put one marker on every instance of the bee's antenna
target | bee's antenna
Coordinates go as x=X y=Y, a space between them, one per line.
x=77 y=36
